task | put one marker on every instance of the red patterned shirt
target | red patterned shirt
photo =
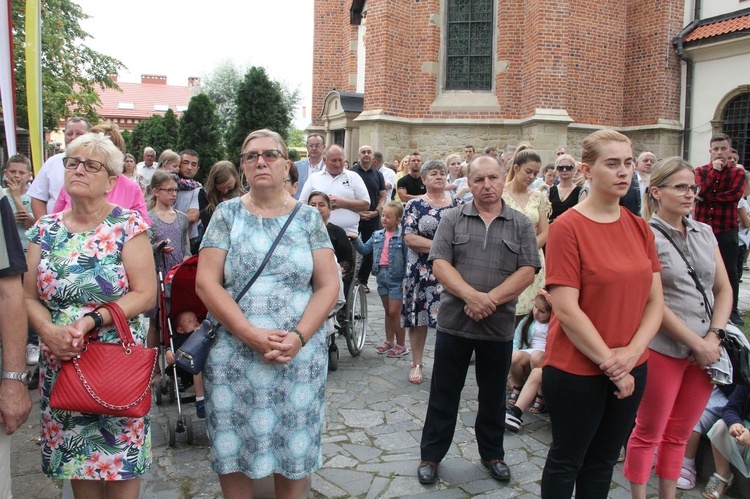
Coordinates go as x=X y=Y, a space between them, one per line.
x=720 y=192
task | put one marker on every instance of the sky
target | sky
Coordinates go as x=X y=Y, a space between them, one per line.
x=183 y=38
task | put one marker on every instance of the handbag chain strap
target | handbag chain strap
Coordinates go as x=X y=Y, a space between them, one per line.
x=104 y=403
x=128 y=342
x=691 y=271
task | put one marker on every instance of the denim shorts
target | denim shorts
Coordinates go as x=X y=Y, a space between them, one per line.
x=713 y=411
x=386 y=286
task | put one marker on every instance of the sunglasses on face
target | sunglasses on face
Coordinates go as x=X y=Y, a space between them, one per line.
x=565 y=168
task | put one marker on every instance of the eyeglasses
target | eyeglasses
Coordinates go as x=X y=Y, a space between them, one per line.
x=170 y=189
x=90 y=165
x=268 y=155
x=315 y=146
x=683 y=189
x=565 y=168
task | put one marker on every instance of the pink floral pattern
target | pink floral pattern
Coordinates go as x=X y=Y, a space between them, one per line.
x=77 y=273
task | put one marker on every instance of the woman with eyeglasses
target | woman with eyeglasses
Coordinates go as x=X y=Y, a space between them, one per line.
x=678 y=386
x=78 y=259
x=265 y=375
x=603 y=279
x=565 y=194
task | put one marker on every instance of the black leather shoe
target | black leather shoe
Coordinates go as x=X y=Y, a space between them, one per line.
x=498 y=469
x=427 y=472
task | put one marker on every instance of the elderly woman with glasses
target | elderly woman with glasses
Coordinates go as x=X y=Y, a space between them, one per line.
x=565 y=194
x=265 y=374
x=93 y=253
x=687 y=343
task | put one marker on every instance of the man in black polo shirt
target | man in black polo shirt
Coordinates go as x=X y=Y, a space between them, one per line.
x=410 y=186
x=369 y=220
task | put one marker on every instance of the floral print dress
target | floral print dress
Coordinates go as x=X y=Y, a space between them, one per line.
x=537 y=201
x=77 y=273
x=421 y=288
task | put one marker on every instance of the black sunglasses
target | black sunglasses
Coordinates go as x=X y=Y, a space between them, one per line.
x=562 y=168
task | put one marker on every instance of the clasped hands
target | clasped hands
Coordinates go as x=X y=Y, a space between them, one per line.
x=276 y=346
x=618 y=368
x=480 y=306
x=740 y=433
x=65 y=342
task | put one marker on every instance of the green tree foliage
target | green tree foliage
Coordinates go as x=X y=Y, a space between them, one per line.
x=261 y=103
x=71 y=71
x=199 y=130
x=296 y=138
x=222 y=85
x=159 y=132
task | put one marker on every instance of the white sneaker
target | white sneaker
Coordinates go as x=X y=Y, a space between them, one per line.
x=32 y=354
x=512 y=423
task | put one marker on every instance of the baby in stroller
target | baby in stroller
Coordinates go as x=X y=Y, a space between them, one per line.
x=185 y=324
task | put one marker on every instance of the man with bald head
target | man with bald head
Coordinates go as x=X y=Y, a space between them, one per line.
x=345 y=188
x=643 y=166
x=369 y=219
x=481 y=279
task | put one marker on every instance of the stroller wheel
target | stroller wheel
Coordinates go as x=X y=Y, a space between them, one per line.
x=156 y=390
x=189 y=430
x=333 y=357
x=171 y=433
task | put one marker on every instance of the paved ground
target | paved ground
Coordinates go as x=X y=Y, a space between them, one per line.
x=371 y=442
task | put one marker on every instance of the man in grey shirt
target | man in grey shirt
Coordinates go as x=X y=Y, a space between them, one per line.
x=484 y=254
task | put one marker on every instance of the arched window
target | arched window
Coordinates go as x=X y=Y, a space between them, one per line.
x=736 y=124
x=469 y=45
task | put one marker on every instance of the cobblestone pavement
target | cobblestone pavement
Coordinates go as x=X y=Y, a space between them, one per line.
x=371 y=441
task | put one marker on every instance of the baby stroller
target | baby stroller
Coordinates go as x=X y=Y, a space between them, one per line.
x=177 y=295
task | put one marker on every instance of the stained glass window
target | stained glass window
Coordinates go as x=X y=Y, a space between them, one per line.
x=469 y=45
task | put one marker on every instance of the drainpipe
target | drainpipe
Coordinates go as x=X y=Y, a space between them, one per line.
x=690 y=69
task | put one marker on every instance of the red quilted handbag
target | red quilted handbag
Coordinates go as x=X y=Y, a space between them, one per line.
x=107 y=378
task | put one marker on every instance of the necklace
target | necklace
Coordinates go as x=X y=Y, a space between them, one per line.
x=438 y=203
x=257 y=211
x=97 y=217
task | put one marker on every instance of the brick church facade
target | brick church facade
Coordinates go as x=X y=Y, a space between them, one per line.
x=435 y=75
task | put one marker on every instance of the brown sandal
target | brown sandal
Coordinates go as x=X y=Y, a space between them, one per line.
x=415 y=375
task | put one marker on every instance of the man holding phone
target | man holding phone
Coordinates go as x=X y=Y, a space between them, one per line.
x=721 y=186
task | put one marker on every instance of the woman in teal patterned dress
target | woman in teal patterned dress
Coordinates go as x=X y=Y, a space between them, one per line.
x=265 y=374
x=78 y=259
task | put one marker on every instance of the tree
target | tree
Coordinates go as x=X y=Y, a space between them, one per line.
x=71 y=71
x=261 y=103
x=199 y=130
x=296 y=138
x=221 y=86
x=159 y=132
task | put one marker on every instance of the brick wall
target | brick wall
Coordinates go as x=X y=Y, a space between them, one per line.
x=610 y=63
x=653 y=68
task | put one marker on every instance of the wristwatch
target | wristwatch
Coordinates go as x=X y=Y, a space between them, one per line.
x=23 y=377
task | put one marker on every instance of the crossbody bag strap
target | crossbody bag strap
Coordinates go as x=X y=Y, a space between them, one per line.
x=268 y=255
x=691 y=271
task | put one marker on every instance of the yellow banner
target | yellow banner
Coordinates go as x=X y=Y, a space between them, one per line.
x=34 y=80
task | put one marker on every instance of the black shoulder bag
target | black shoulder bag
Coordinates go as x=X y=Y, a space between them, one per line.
x=191 y=356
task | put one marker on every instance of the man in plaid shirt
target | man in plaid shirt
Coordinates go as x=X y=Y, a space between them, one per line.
x=721 y=187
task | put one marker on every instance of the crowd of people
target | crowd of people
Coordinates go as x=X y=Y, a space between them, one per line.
x=501 y=256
